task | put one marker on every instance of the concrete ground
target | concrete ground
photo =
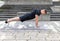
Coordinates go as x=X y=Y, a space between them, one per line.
x=27 y=31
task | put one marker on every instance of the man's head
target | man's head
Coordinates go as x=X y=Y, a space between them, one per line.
x=43 y=11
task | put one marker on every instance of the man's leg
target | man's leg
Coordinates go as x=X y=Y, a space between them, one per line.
x=13 y=19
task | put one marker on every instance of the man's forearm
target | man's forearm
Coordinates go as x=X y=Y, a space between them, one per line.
x=36 y=23
x=36 y=20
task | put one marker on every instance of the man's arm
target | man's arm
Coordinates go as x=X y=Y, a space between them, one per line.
x=36 y=20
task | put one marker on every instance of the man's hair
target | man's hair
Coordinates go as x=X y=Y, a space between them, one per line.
x=45 y=11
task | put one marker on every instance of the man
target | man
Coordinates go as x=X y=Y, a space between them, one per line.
x=34 y=14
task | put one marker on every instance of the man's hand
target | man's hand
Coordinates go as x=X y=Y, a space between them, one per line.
x=37 y=26
x=36 y=20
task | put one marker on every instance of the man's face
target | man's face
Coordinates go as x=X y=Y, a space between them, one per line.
x=43 y=12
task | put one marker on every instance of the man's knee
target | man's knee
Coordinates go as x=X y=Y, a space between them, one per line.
x=17 y=18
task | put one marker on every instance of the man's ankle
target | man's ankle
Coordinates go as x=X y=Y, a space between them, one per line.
x=6 y=22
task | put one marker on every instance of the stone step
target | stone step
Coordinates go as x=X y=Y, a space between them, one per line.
x=56 y=3
x=28 y=2
x=55 y=9
x=2 y=19
x=55 y=15
x=55 y=19
x=6 y=16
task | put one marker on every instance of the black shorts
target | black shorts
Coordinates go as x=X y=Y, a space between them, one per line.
x=25 y=17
